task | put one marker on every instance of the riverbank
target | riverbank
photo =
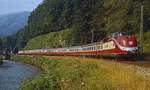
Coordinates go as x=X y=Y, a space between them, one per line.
x=13 y=73
x=74 y=73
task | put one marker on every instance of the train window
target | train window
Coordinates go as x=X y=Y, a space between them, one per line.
x=106 y=46
x=94 y=48
x=82 y=48
x=113 y=45
x=119 y=34
x=100 y=46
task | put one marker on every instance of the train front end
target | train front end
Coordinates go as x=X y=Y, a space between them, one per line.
x=126 y=43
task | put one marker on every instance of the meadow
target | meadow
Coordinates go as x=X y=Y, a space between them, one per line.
x=77 y=73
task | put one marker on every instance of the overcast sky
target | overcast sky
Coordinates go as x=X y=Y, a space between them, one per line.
x=11 y=6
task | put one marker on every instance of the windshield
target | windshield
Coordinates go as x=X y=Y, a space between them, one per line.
x=119 y=34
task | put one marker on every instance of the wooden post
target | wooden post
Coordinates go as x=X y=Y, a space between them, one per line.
x=141 y=30
x=92 y=40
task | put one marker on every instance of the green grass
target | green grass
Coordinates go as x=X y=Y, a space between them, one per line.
x=73 y=73
x=51 y=40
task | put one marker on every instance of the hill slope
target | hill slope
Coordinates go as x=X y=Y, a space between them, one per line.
x=11 y=23
x=51 y=40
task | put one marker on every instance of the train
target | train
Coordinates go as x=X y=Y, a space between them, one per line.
x=118 y=43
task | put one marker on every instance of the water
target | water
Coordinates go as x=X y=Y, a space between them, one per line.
x=12 y=73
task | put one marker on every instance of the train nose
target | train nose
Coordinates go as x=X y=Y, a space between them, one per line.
x=127 y=41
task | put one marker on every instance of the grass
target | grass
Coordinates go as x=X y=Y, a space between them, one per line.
x=51 y=40
x=74 y=73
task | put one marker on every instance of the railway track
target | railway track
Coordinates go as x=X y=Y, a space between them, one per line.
x=139 y=60
x=142 y=62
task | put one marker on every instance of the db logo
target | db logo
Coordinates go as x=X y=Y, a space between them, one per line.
x=130 y=43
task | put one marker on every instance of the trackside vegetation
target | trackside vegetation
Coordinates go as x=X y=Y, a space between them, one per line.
x=77 y=73
x=146 y=42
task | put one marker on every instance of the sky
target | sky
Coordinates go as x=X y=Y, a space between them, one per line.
x=13 y=6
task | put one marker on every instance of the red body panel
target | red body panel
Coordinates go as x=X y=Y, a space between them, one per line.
x=127 y=41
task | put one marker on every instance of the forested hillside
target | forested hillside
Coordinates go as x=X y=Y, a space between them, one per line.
x=86 y=19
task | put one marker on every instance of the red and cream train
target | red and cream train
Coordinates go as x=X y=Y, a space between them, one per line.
x=116 y=44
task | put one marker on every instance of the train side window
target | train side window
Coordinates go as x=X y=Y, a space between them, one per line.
x=94 y=48
x=113 y=44
x=99 y=46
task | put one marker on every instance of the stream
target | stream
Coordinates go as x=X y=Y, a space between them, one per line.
x=12 y=73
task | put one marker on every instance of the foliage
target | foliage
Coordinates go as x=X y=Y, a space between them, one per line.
x=72 y=73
